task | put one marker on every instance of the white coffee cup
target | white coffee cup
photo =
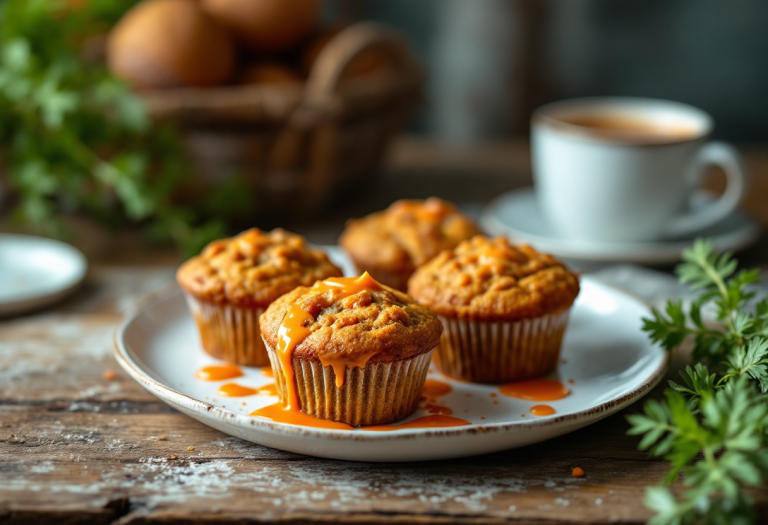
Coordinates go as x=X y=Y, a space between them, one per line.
x=624 y=169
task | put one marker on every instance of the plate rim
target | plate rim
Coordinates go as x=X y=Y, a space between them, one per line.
x=21 y=304
x=174 y=397
x=641 y=252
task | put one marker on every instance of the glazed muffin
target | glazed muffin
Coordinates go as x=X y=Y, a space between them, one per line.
x=504 y=309
x=230 y=284
x=391 y=244
x=350 y=350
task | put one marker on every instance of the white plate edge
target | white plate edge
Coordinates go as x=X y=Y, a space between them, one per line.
x=23 y=304
x=171 y=396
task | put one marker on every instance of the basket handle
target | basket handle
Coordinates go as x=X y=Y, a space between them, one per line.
x=342 y=49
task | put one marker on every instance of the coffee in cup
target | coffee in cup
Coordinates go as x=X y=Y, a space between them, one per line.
x=624 y=169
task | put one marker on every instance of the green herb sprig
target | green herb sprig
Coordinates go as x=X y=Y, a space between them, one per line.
x=74 y=138
x=712 y=428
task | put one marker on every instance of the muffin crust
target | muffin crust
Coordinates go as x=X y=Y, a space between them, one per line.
x=493 y=280
x=372 y=326
x=405 y=235
x=254 y=268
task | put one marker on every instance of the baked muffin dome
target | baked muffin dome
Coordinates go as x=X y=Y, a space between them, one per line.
x=392 y=243
x=228 y=286
x=492 y=279
x=350 y=350
x=375 y=325
x=254 y=268
x=504 y=309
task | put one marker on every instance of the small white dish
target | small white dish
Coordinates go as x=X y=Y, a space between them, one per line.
x=610 y=362
x=517 y=215
x=36 y=272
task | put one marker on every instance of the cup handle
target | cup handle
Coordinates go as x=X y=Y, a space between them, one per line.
x=725 y=156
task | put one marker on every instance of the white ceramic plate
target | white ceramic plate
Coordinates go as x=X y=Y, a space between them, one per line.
x=36 y=272
x=517 y=215
x=610 y=361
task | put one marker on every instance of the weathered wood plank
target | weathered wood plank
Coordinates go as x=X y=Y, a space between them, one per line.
x=59 y=460
x=76 y=447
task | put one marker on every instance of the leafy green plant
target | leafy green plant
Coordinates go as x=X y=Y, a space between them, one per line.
x=712 y=428
x=74 y=138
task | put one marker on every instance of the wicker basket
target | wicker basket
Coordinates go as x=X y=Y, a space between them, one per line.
x=296 y=144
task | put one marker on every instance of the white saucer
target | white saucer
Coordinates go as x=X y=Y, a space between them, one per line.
x=158 y=345
x=36 y=272
x=517 y=215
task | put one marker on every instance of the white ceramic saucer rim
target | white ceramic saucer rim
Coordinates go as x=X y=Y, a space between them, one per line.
x=174 y=397
x=24 y=301
x=641 y=252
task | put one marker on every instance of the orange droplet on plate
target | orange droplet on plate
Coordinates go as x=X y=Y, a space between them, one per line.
x=235 y=390
x=542 y=410
x=435 y=388
x=542 y=389
x=218 y=372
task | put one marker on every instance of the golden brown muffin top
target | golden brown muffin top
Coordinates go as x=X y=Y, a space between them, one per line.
x=493 y=280
x=407 y=234
x=361 y=321
x=254 y=268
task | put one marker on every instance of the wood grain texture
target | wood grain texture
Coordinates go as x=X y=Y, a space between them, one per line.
x=77 y=447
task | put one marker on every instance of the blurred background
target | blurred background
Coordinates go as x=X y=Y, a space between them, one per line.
x=491 y=62
x=118 y=132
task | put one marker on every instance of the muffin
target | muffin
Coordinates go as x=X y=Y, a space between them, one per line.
x=350 y=350
x=391 y=244
x=230 y=284
x=504 y=309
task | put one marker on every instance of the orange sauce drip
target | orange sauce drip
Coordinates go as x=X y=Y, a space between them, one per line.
x=279 y=414
x=438 y=409
x=492 y=254
x=267 y=371
x=435 y=421
x=536 y=390
x=218 y=372
x=340 y=365
x=235 y=390
x=435 y=388
x=542 y=410
x=292 y=332
x=268 y=390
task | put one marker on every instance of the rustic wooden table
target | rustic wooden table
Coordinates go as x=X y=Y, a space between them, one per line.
x=78 y=445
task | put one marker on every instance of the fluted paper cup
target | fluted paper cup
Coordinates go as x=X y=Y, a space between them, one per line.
x=500 y=352
x=229 y=333
x=376 y=394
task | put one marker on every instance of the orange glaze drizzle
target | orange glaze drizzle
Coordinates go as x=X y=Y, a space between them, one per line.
x=280 y=414
x=492 y=254
x=340 y=364
x=435 y=388
x=218 y=372
x=268 y=390
x=435 y=421
x=292 y=330
x=267 y=371
x=438 y=409
x=536 y=390
x=235 y=390
x=542 y=410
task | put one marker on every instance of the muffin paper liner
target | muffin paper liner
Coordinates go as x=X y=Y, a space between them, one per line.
x=230 y=333
x=377 y=394
x=500 y=352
